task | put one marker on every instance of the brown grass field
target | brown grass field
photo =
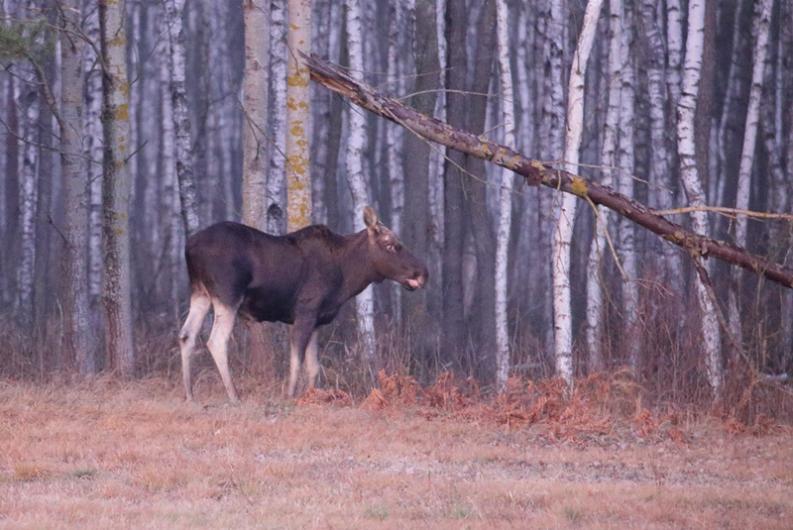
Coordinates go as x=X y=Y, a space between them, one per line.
x=107 y=454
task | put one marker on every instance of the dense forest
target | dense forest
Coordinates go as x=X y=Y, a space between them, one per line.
x=127 y=125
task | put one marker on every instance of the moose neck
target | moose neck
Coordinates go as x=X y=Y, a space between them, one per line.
x=356 y=265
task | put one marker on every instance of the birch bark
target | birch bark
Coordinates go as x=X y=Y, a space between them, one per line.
x=563 y=232
x=595 y=307
x=356 y=142
x=507 y=94
x=174 y=10
x=276 y=179
x=254 y=106
x=625 y=169
x=762 y=24
x=692 y=184
x=93 y=149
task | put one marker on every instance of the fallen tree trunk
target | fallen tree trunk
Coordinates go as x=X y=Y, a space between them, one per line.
x=536 y=172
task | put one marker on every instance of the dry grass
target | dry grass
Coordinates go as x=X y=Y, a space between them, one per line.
x=105 y=454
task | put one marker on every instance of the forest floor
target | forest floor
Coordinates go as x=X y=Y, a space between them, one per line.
x=107 y=454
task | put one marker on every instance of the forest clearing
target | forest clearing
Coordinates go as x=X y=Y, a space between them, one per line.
x=106 y=454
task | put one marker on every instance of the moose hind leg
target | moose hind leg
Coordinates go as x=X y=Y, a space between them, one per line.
x=199 y=307
x=218 y=344
x=312 y=363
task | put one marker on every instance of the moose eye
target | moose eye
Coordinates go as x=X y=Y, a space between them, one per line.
x=393 y=247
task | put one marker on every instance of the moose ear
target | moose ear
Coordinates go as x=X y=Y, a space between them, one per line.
x=370 y=218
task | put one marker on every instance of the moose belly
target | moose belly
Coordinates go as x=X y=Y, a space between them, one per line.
x=268 y=305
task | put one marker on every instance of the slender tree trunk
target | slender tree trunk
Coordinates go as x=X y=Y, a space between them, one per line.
x=184 y=152
x=416 y=226
x=692 y=184
x=762 y=24
x=674 y=47
x=505 y=201
x=94 y=152
x=254 y=106
x=28 y=197
x=481 y=221
x=661 y=177
x=276 y=188
x=627 y=231
x=356 y=142
x=453 y=210
x=595 y=282
x=115 y=188
x=80 y=341
x=169 y=200
x=394 y=144
x=298 y=163
x=563 y=232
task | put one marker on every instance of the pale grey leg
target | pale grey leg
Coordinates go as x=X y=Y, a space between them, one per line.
x=312 y=363
x=218 y=344
x=199 y=307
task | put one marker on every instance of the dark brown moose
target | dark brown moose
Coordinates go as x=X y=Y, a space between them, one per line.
x=302 y=278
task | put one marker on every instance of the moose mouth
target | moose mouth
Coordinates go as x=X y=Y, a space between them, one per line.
x=411 y=284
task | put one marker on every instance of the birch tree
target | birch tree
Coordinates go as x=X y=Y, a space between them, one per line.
x=762 y=23
x=661 y=177
x=563 y=232
x=505 y=199
x=275 y=207
x=692 y=184
x=115 y=191
x=256 y=15
x=356 y=142
x=595 y=307
x=79 y=336
x=169 y=200
x=174 y=10
x=93 y=150
x=625 y=169
x=28 y=101
x=298 y=115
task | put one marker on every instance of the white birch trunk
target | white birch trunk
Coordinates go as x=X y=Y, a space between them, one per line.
x=437 y=154
x=184 y=152
x=762 y=23
x=552 y=132
x=692 y=184
x=662 y=192
x=115 y=187
x=674 y=47
x=627 y=229
x=276 y=189
x=94 y=150
x=356 y=143
x=298 y=115
x=505 y=197
x=563 y=231
x=595 y=311
x=28 y=197
x=169 y=200
x=254 y=106
x=394 y=144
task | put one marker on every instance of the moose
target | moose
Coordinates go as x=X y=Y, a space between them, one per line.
x=302 y=278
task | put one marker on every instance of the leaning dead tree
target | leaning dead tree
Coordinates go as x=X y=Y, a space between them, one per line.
x=537 y=173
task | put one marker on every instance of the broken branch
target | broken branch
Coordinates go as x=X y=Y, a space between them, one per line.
x=536 y=172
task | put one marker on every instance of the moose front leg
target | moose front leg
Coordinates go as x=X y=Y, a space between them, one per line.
x=299 y=337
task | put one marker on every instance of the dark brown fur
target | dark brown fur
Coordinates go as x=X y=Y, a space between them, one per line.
x=302 y=278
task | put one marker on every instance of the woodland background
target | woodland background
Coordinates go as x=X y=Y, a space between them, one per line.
x=119 y=138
